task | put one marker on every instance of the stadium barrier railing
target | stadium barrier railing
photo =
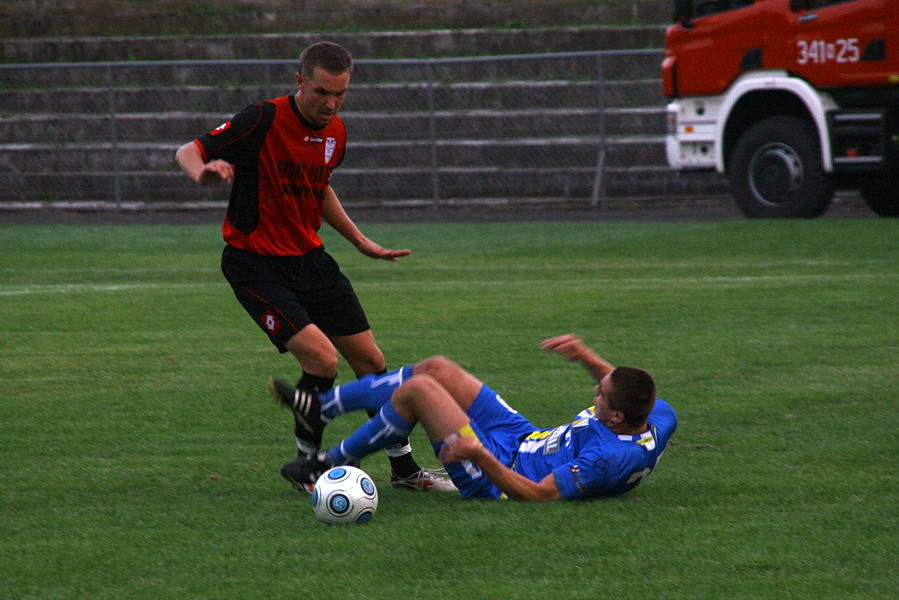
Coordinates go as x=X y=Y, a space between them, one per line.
x=573 y=127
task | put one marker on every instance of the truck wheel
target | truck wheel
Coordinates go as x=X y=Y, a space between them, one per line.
x=776 y=171
x=882 y=195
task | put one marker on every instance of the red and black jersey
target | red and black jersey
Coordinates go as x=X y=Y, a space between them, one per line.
x=282 y=169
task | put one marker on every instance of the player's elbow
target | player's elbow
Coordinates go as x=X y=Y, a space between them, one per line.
x=544 y=495
x=542 y=491
x=188 y=155
x=181 y=152
x=533 y=495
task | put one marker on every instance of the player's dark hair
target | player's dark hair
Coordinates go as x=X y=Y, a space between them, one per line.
x=331 y=57
x=633 y=393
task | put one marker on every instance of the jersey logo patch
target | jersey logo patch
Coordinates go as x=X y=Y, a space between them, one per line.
x=601 y=466
x=330 y=144
x=647 y=440
x=220 y=128
x=271 y=322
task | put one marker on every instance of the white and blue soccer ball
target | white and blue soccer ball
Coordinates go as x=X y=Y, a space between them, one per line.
x=344 y=495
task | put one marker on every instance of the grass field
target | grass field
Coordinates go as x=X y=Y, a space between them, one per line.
x=140 y=448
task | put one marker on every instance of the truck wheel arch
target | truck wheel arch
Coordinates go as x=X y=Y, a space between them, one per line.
x=763 y=94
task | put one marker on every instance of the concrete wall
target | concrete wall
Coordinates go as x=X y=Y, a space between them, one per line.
x=50 y=18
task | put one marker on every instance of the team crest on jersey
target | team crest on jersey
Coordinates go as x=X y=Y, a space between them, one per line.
x=221 y=128
x=601 y=466
x=271 y=322
x=330 y=144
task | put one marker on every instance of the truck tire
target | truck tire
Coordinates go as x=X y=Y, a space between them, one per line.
x=775 y=170
x=882 y=195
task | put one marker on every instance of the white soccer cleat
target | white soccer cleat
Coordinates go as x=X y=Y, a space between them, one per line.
x=424 y=480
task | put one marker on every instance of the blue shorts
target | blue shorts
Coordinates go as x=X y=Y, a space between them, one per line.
x=501 y=429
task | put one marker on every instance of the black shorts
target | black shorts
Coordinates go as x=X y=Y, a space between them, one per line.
x=284 y=294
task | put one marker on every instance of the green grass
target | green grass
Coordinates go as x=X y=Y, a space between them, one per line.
x=140 y=449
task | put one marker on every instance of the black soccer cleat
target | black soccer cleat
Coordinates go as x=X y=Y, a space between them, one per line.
x=304 y=471
x=306 y=409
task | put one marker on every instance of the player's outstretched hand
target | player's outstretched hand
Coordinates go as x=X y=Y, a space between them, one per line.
x=215 y=171
x=370 y=248
x=569 y=345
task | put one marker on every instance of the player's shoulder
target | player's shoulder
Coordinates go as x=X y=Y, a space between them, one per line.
x=662 y=411
x=600 y=434
x=250 y=115
x=587 y=413
x=279 y=101
x=662 y=405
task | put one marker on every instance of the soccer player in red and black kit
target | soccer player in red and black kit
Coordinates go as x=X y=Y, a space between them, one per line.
x=278 y=156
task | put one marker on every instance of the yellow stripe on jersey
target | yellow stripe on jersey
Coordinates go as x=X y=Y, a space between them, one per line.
x=539 y=435
x=467 y=431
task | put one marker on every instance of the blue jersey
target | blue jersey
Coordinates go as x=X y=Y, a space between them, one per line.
x=588 y=460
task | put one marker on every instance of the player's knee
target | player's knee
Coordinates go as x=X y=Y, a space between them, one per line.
x=438 y=367
x=321 y=362
x=370 y=363
x=415 y=397
x=417 y=388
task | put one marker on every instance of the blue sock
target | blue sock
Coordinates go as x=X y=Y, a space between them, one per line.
x=366 y=393
x=380 y=431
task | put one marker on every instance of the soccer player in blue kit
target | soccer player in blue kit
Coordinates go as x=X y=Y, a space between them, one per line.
x=487 y=447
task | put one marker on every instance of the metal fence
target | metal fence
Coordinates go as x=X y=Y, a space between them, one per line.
x=577 y=126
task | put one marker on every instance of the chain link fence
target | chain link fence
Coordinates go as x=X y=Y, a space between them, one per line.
x=580 y=126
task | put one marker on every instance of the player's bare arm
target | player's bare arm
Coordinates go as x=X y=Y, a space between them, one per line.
x=573 y=349
x=191 y=162
x=514 y=485
x=335 y=215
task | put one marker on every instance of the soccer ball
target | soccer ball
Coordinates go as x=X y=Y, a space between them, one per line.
x=344 y=495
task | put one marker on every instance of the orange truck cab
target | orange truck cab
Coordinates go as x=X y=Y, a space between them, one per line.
x=792 y=99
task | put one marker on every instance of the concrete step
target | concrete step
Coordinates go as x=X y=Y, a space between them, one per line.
x=491 y=124
x=394 y=185
x=638 y=64
x=386 y=44
x=506 y=153
x=500 y=124
x=368 y=98
x=523 y=128
x=515 y=168
x=126 y=17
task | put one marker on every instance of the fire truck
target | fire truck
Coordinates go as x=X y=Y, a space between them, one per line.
x=791 y=99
